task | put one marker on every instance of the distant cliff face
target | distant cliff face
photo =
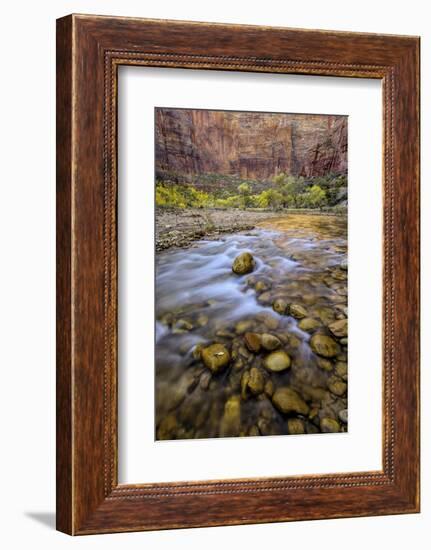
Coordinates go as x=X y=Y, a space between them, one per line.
x=250 y=145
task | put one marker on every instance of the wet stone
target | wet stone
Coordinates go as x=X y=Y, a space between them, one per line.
x=244 y=263
x=215 y=357
x=277 y=361
x=288 y=401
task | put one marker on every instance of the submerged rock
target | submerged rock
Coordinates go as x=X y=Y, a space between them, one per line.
x=277 y=361
x=253 y=341
x=337 y=386
x=339 y=328
x=288 y=401
x=295 y=426
x=308 y=324
x=297 y=311
x=244 y=263
x=231 y=421
x=329 y=425
x=324 y=345
x=256 y=381
x=280 y=306
x=215 y=357
x=270 y=342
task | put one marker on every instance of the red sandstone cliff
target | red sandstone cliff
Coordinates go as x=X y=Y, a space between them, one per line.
x=250 y=145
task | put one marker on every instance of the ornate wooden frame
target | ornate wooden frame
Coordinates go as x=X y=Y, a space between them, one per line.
x=89 y=51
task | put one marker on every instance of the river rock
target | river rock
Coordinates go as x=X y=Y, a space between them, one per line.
x=297 y=311
x=231 y=421
x=295 y=426
x=270 y=320
x=341 y=369
x=324 y=364
x=309 y=324
x=270 y=342
x=269 y=388
x=215 y=357
x=244 y=263
x=337 y=386
x=261 y=286
x=256 y=381
x=277 y=361
x=244 y=326
x=168 y=427
x=329 y=425
x=344 y=265
x=339 y=328
x=324 y=345
x=280 y=306
x=343 y=415
x=288 y=401
x=253 y=341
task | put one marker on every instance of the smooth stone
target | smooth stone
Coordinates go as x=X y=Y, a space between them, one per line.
x=253 y=341
x=289 y=401
x=324 y=345
x=324 y=364
x=339 y=328
x=215 y=357
x=270 y=342
x=269 y=320
x=343 y=415
x=341 y=369
x=337 y=386
x=329 y=425
x=261 y=286
x=269 y=388
x=231 y=421
x=277 y=361
x=202 y=320
x=344 y=265
x=297 y=311
x=280 y=306
x=244 y=263
x=295 y=426
x=256 y=381
x=243 y=326
x=308 y=324
x=344 y=341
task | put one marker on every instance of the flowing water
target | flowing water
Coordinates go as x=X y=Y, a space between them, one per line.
x=300 y=259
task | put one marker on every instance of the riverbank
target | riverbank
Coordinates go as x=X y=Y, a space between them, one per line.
x=179 y=227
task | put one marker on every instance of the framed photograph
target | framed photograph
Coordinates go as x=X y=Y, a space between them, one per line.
x=237 y=274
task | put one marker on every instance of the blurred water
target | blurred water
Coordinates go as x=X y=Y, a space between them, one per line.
x=200 y=300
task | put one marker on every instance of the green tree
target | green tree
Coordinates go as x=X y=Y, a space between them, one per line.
x=317 y=197
x=244 y=190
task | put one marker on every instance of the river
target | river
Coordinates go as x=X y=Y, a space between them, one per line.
x=299 y=262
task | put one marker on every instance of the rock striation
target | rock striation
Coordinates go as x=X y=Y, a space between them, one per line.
x=248 y=145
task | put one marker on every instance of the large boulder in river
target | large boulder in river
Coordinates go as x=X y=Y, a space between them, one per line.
x=244 y=263
x=277 y=361
x=215 y=357
x=324 y=345
x=288 y=401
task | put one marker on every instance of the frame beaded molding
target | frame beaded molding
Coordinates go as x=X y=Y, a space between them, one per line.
x=251 y=64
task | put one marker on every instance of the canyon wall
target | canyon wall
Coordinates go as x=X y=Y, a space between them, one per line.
x=249 y=145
